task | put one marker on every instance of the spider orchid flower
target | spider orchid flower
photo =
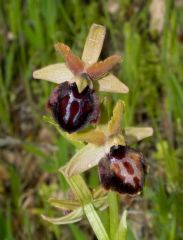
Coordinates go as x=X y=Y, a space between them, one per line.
x=108 y=148
x=74 y=102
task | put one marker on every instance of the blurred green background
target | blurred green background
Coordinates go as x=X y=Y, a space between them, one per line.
x=149 y=35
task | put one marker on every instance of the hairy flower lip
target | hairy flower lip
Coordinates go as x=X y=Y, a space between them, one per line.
x=123 y=170
x=71 y=109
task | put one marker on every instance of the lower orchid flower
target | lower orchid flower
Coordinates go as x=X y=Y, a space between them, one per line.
x=121 y=168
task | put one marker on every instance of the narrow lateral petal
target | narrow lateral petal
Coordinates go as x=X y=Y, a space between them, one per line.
x=85 y=159
x=114 y=125
x=93 y=44
x=57 y=73
x=133 y=134
x=110 y=83
x=97 y=70
x=75 y=64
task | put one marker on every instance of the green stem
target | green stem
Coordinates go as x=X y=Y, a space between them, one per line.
x=84 y=195
x=113 y=213
x=95 y=222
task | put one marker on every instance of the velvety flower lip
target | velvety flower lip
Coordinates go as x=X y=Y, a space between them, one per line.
x=85 y=71
x=71 y=109
x=122 y=170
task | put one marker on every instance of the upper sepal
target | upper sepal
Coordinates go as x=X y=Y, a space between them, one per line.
x=93 y=44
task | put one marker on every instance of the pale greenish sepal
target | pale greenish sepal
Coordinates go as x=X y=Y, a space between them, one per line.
x=86 y=158
x=93 y=44
x=114 y=125
x=95 y=136
x=134 y=134
x=110 y=83
x=56 y=73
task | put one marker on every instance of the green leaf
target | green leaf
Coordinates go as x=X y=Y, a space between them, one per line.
x=122 y=229
x=99 y=192
x=74 y=216
x=77 y=232
x=101 y=203
x=64 y=204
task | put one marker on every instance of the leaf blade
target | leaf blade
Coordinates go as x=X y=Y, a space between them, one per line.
x=74 y=216
x=122 y=229
x=64 y=204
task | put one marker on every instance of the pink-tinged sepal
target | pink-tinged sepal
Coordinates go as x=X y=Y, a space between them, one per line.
x=74 y=63
x=99 y=69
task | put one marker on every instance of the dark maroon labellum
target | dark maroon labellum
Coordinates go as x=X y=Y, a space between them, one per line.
x=122 y=170
x=71 y=109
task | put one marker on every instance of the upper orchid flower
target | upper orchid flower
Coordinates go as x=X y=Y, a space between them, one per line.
x=74 y=102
